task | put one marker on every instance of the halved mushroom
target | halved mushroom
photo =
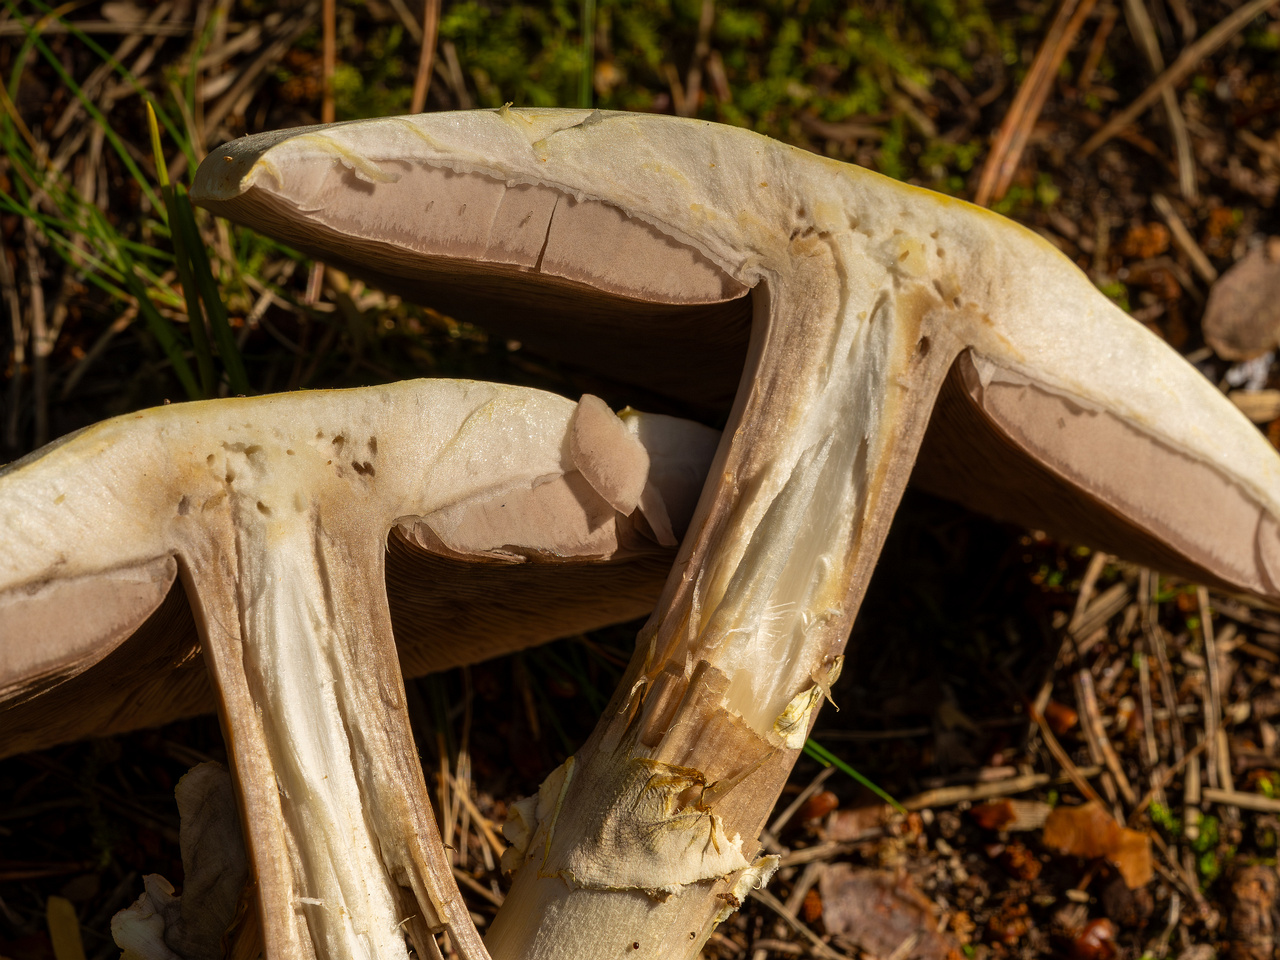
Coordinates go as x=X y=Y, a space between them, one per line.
x=274 y=512
x=119 y=650
x=675 y=253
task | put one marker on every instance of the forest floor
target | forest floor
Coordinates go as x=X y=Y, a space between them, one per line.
x=1081 y=751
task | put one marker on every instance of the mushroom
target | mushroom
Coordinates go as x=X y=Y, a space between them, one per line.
x=858 y=311
x=274 y=512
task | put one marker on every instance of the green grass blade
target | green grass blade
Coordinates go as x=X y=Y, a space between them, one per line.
x=121 y=70
x=55 y=63
x=828 y=759
x=189 y=82
x=182 y=260
x=162 y=330
x=214 y=308
x=183 y=257
x=162 y=171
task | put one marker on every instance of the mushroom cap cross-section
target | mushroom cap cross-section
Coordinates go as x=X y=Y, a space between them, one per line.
x=854 y=314
x=274 y=512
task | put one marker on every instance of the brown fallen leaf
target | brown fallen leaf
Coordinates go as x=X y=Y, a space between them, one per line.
x=161 y=925
x=1242 y=317
x=880 y=912
x=854 y=824
x=1090 y=832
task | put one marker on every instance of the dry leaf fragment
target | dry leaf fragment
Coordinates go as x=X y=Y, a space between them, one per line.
x=855 y=824
x=1260 y=406
x=161 y=926
x=1242 y=318
x=1013 y=815
x=880 y=912
x=1090 y=832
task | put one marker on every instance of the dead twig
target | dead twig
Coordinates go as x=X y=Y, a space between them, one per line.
x=950 y=796
x=454 y=71
x=1088 y=583
x=1097 y=46
x=795 y=900
x=1186 y=21
x=1015 y=130
x=1213 y=695
x=1187 y=61
x=252 y=76
x=672 y=76
x=1099 y=744
x=129 y=28
x=13 y=304
x=782 y=819
x=701 y=50
x=818 y=945
x=1148 y=719
x=1246 y=801
x=426 y=56
x=408 y=20
x=39 y=336
x=1183 y=239
x=1155 y=641
x=1064 y=760
x=471 y=883
x=1163 y=781
x=827 y=851
x=1145 y=33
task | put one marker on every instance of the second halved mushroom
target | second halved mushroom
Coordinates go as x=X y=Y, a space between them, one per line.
x=275 y=512
x=860 y=312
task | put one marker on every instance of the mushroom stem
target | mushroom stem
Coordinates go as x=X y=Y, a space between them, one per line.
x=292 y=612
x=651 y=838
x=346 y=867
x=275 y=511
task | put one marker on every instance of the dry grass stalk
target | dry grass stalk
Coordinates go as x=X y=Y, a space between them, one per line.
x=1144 y=31
x=1015 y=130
x=1099 y=743
x=819 y=946
x=1187 y=61
x=1183 y=239
x=950 y=796
x=1245 y=801
x=329 y=56
x=1147 y=584
x=1212 y=688
x=701 y=51
x=426 y=55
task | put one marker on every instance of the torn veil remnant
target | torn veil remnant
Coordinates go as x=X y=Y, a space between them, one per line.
x=274 y=512
x=853 y=313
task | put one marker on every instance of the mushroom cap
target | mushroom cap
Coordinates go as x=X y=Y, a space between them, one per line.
x=475 y=488
x=640 y=245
